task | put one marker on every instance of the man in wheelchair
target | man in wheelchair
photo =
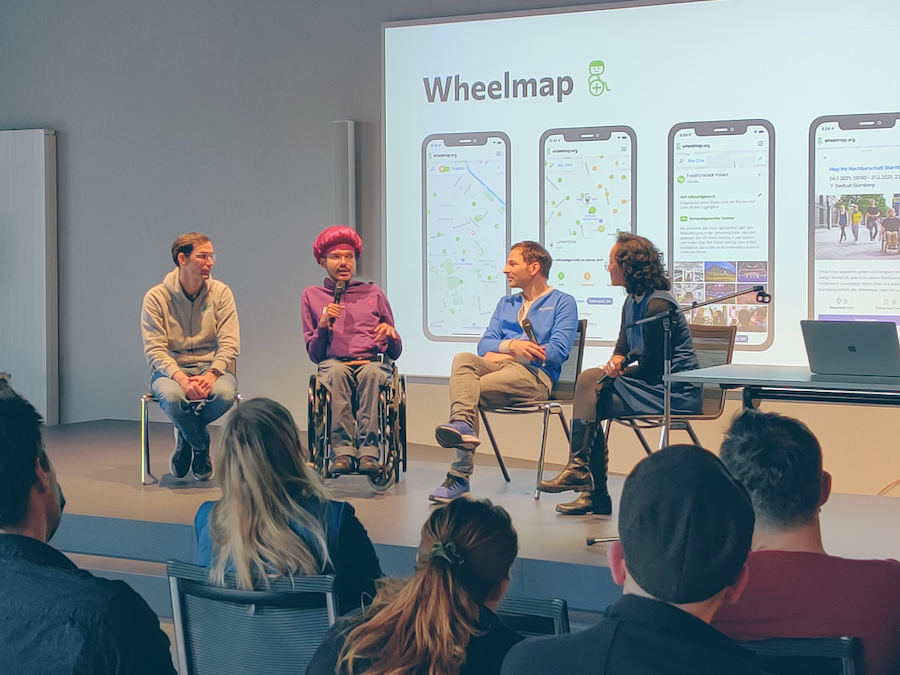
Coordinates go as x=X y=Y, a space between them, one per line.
x=347 y=326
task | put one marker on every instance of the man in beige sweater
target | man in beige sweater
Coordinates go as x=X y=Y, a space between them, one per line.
x=191 y=335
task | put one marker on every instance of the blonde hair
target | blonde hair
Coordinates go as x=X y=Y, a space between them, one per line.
x=262 y=468
x=424 y=626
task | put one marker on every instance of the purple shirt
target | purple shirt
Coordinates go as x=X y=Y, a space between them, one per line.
x=353 y=335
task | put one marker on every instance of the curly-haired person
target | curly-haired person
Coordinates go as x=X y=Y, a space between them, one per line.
x=635 y=264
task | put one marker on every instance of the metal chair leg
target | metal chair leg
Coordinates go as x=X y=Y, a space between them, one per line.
x=540 y=468
x=487 y=426
x=688 y=428
x=145 y=442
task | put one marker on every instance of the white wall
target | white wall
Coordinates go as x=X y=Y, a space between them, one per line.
x=209 y=115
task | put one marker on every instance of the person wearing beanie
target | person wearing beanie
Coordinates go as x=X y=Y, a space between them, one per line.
x=189 y=325
x=349 y=339
x=779 y=461
x=685 y=526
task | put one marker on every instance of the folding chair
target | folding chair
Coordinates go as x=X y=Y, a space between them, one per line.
x=714 y=346
x=531 y=617
x=808 y=656
x=562 y=393
x=267 y=631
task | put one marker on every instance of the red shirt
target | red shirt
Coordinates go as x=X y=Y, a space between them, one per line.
x=795 y=594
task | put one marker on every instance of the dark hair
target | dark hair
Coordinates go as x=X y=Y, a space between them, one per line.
x=779 y=461
x=186 y=243
x=466 y=550
x=20 y=446
x=641 y=264
x=533 y=252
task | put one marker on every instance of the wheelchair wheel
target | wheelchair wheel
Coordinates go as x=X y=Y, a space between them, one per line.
x=387 y=476
x=311 y=419
x=323 y=463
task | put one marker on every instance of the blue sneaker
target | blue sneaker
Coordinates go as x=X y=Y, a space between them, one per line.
x=452 y=488
x=457 y=434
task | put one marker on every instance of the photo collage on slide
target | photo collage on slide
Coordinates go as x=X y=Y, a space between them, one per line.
x=704 y=281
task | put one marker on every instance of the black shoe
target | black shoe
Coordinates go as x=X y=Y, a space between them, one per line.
x=202 y=466
x=180 y=461
x=341 y=465
x=369 y=466
x=576 y=476
x=588 y=502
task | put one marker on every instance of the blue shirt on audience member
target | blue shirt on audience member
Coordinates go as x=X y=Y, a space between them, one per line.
x=353 y=558
x=61 y=620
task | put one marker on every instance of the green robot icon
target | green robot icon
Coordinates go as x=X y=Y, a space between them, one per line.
x=595 y=84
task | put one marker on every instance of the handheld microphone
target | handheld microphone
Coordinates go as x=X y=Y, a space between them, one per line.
x=339 y=287
x=630 y=358
x=529 y=331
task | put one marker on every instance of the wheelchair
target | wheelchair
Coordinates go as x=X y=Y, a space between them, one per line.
x=391 y=429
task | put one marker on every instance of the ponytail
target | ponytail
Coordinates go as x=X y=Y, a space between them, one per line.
x=424 y=627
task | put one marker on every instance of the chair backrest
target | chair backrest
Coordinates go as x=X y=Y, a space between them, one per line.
x=714 y=346
x=228 y=630
x=571 y=367
x=531 y=617
x=808 y=656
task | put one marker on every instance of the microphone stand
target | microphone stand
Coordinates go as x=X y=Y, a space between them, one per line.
x=667 y=318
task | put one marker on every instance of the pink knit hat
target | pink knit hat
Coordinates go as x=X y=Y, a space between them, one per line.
x=335 y=236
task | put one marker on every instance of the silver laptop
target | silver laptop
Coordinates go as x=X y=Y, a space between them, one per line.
x=855 y=348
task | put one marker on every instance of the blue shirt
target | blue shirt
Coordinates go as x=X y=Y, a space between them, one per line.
x=60 y=620
x=554 y=317
x=353 y=558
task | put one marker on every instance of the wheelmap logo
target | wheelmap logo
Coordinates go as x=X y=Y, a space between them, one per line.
x=596 y=84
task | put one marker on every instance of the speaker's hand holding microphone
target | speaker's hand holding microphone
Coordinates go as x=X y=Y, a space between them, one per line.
x=333 y=309
x=534 y=351
x=615 y=366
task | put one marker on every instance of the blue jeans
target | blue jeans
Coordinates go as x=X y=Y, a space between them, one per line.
x=348 y=432
x=191 y=417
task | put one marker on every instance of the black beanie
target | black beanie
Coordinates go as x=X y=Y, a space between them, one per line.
x=685 y=524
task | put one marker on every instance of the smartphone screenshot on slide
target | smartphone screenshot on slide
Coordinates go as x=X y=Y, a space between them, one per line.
x=721 y=223
x=466 y=223
x=854 y=229
x=588 y=185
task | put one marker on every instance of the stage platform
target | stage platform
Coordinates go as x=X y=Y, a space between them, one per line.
x=119 y=528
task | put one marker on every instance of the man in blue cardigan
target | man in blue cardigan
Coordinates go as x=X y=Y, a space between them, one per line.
x=510 y=367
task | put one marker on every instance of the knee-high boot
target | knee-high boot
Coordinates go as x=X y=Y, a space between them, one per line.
x=576 y=475
x=596 y=501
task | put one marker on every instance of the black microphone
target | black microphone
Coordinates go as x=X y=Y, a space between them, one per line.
x=529 y=331
x=339 y=289
x=630 y=358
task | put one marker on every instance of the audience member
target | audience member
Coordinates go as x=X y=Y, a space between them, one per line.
x=442 y=621
x=189 y=325
x=685 y=527
x=55 y=618
x=275 y=518
x=796 y=589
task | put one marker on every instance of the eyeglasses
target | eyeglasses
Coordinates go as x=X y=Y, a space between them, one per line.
x=338 y=257
x=203 y=257
x=607 y=265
